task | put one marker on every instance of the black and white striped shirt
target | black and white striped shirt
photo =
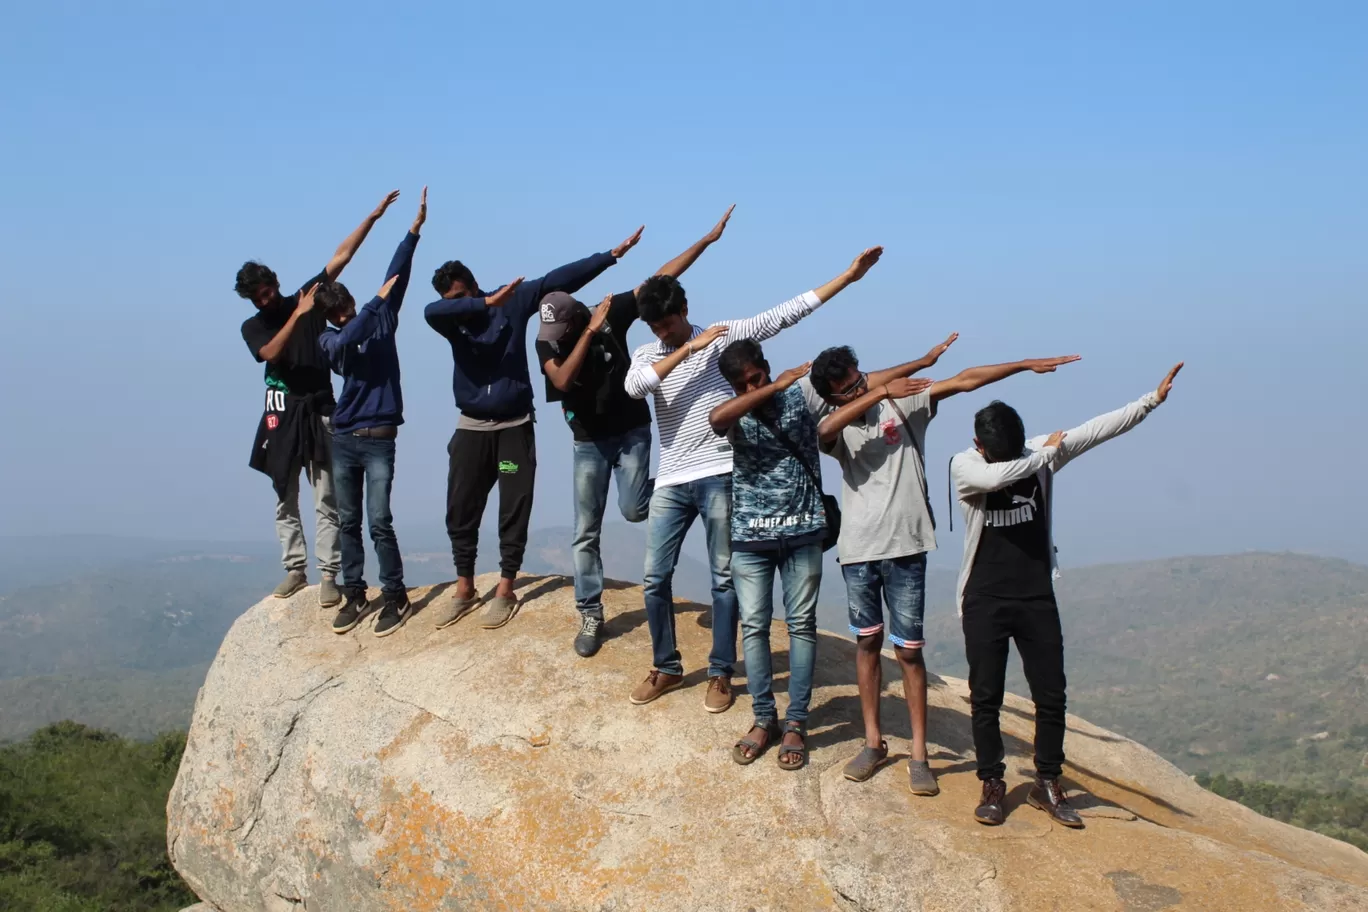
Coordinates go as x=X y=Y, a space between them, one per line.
x=689 y=449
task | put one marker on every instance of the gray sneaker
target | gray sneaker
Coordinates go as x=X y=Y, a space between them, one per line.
x=457 y=609
x=922 y=780
x=498 y=611
x=328 y=593
x=294 y=581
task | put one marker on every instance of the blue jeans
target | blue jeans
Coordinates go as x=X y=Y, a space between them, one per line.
x=366 y=463
x=673 y=511
x=628 y=457
x=800 y=574
x=898 y=581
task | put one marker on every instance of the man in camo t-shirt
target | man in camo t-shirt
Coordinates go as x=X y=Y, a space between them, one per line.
x=777 y=523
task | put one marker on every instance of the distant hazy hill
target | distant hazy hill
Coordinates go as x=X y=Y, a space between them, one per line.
x=1245 y=664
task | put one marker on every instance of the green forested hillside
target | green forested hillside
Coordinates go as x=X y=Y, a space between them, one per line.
x=83 y=823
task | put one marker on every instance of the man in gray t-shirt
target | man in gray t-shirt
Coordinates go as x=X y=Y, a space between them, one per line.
x=874 y=425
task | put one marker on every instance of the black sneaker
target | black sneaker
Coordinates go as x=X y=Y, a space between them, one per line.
x=589 y=638
x=352 y=612
x=396 y=611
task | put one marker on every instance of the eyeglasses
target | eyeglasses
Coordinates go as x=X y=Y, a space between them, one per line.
x=859 y=386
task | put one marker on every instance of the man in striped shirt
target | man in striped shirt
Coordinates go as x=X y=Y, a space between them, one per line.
x=694 y=476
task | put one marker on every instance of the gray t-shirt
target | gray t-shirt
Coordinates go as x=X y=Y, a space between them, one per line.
x=883 y=495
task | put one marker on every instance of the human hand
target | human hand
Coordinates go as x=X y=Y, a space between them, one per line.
x=422 y=213
x=903 y=387
x=790 y=376
x=621 y=249
x=1048 y=365
x=1055 y=440
x=599 y=319
x=934 y=354
x=500 y=297
x=862 y=263
x=716 y=233
x=306 y=300
x=1167 y=383
x=708 y=336
x=385 y=204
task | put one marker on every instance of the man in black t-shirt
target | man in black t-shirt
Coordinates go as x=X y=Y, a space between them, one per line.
x=585 y=359
x=293 y=433
x=1006 y=586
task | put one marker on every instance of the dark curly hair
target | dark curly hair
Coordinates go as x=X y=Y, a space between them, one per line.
x=449 y=273
x=660 y=296
x=333 y=298
x=736 y=356
x=252 y=276
x=832 y=366
x=1000 y=432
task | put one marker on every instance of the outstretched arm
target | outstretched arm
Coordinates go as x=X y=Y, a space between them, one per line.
x=879 y=378
x=444 y=315
x=401 y=266
x=973 y=378
x=900 y=388
x=776 y=319
x=679 y=264
x=1113 y=424
x=347 y=249
x=728 y=413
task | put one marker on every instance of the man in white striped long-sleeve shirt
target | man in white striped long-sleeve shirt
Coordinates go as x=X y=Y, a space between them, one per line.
x=694 y=476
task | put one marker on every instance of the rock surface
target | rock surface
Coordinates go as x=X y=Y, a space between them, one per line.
x=468 y=769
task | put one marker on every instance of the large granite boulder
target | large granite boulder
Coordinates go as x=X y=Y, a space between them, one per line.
x=467 y=769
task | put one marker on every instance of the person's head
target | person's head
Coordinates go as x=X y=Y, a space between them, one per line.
x=998 y=432
x=335 y=302
x=836 y=375
x=258 y=284
x=743 y=365
x=664 y=308
x=562 y=319
x=453 y=280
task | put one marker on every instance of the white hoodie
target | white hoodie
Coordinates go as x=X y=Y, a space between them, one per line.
x=975 y=477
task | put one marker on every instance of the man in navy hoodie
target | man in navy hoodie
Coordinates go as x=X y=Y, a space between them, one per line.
x=365 y=424
x=494 y=439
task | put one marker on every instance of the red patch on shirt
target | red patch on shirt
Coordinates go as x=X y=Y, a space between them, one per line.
x=891 y=432
x=272 y=422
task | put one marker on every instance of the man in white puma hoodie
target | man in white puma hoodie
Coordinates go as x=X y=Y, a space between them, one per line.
x=1006 y=585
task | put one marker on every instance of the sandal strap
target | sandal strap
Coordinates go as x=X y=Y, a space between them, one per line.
x=793 y=725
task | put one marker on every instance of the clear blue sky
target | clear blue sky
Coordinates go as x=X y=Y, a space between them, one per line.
x=1168 y=181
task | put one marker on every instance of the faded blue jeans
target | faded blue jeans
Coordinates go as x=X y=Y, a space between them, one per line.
x=365 y=465
x=673 y=511
x=800 y=575
x=628 y=458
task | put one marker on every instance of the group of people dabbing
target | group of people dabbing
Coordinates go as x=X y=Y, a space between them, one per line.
x=739 y=450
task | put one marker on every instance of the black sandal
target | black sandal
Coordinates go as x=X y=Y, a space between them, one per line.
x=771 y=729
x=800 y=729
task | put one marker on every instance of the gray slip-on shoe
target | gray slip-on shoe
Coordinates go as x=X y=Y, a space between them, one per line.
x=294 y=581
x=328 y=593
x=458 y=609
x=921 y=779
x=498 y=611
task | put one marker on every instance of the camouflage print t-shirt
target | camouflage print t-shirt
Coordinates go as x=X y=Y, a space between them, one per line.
x=773 y=496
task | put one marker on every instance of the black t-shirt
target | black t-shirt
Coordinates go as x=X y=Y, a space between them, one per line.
x=597 y=405
x=1013 y=559
x=302 y=367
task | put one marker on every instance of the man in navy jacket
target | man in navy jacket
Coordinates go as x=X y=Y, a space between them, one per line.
x=366 y=422
x=494 y=439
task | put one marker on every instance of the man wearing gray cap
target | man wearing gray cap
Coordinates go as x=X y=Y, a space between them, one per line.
x=585 y=359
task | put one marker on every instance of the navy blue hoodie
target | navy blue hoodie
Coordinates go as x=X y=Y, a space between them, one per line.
x=364 y=354
x=489 y=344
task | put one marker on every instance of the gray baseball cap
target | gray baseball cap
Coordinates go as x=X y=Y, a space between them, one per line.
x=557 y=310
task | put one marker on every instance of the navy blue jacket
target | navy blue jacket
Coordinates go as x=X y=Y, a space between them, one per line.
x=489 y=344
x=364 y=354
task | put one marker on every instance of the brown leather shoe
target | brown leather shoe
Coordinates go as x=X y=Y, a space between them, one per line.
x=1047 y=795
x=657 y=684
x=719 y=697
x=990 y=811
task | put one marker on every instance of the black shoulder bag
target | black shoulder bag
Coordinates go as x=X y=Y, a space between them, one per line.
x=830 y=505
